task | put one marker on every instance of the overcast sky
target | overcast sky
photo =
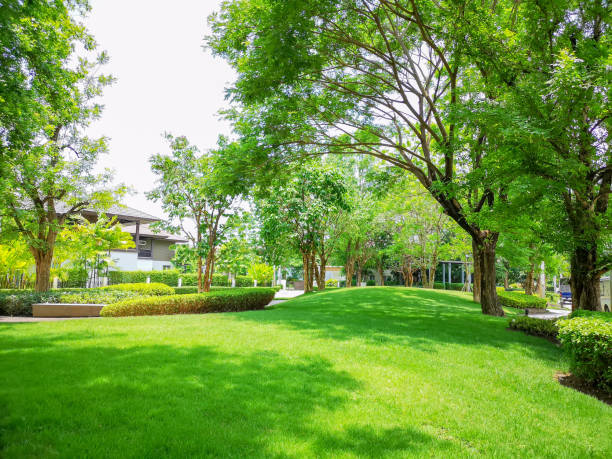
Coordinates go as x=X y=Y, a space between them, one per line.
x=166 y=81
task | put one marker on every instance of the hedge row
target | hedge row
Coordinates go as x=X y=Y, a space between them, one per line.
x=588 y=341
x=448 y=286
x=171 y=276
x=537 y=327
x=19 y=302
x=227 y=300
x=520 y=300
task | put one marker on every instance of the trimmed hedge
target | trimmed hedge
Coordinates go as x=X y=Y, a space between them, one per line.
x=588 y=342
x=169 y=277
x=19 y=302
x=536 y=327
x=142 y=289
x=244 y=281
x=520 y=300
x=226 y=300
x=448 y=286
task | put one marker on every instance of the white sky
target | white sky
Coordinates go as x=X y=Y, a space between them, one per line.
x=166 y=81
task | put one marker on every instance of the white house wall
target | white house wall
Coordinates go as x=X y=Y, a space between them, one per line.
x=129 y=261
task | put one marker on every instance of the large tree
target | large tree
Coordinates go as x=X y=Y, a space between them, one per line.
x=549 y=64
x=199 y=198
x=48 y=173
x=377 y=77
x=304 y=208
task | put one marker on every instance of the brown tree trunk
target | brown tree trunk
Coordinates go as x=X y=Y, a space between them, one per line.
x=477 y=254
x=584 y=280
x=311 y=274
x=381 y=274
x=488 y=292
x=43 y=269
x=358 y=281
x=424 y=277
x=321 y=272
x=306 y=262
x=199 y=274
x=506 y=282
x=208 y=271
x=529 y=280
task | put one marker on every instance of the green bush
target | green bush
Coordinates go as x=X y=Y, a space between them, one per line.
x=19 y=302
x=536 y=327
x=219 y=280
x=370 y=283
x=142 y=289
x=185 y=290
x=448 y=286
x=168 y=277
x=96 y=296
x=244 y=281
x=331 y=283
x=520 y=300
x=588 y=342
x=605 y=316
x=226 y=300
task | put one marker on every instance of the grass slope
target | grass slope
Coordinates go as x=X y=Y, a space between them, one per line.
x=376 y=372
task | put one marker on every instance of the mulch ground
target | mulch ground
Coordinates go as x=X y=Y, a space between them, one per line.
x=574 y=382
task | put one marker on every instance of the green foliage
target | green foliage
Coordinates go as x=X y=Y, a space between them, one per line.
x=244 y=281
x=370 y=283
x=262 y=273
x=185 y=290
x=448 y=286
x=331 y=283
x=605 y=316
x=97 y=296
x=227 y=300
x=19 y=302
x=537 y=327
x=520 y=300
x=588 y=342
x=169 y=277
x=141 y=288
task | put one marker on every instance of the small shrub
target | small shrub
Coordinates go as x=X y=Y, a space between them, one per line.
x=331 y=283
x=537 y=327
x=588 y=342
x=520 y=300
x=226 y=300
x=370 y=283
x=168 y=277
x=219 y=280
x=448 y=286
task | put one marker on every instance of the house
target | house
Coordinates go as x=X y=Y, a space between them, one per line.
x=152 y=251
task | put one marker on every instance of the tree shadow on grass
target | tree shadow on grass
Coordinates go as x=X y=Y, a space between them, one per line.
x=87 y=400
x=416 y=318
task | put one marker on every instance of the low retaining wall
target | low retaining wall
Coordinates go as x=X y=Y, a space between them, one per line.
x=66 y=310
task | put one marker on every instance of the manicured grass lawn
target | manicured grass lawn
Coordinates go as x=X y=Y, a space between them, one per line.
x=375 y=372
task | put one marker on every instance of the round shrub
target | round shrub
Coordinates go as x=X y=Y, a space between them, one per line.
x=226 y=300
x=520 y=300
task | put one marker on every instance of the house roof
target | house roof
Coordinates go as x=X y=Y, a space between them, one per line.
x=123 y=213
x=146 y=231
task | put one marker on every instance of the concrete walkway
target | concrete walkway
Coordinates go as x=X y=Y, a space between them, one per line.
x=285 y=294
x=552 y=314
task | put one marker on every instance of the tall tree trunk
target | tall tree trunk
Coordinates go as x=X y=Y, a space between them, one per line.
x=358 y=274
x=43 y=269
x=423 y=277
x=584 y=280
x=381 y=273
x=485 y=249
x=529 y=279
x=506 y=281
x=208 y=271
x=321 y=273
x=311 y=274
x=306 y=263
x=477 y=255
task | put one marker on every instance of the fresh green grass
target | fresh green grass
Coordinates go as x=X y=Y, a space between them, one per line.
x=374 y=372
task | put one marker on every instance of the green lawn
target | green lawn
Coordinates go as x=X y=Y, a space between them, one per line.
x=375 y=372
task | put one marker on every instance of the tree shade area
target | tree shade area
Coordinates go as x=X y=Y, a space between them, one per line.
x=381 y=372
